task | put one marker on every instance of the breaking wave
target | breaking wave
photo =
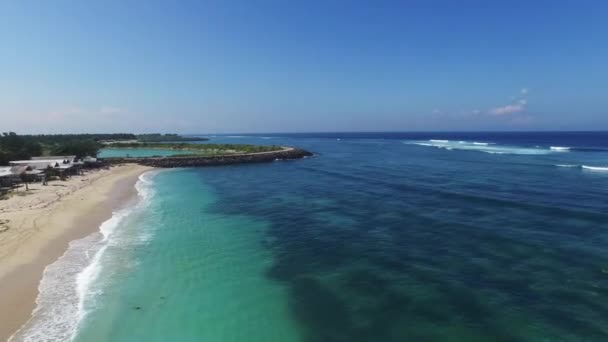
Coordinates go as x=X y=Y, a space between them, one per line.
x=596 y=168
x=486 y=147
x=585 y=167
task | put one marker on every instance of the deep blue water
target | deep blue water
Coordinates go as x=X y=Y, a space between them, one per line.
x=598 y=139
x=378 y=237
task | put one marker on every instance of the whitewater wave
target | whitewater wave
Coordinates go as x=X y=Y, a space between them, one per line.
x=559 y=148
x=595 y=168
x=487 y=147
x=67 y=283
x=585 y=167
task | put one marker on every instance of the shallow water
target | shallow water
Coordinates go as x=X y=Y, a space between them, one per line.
x=375 y=238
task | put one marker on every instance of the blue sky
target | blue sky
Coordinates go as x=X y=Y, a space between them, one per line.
x=287 y=66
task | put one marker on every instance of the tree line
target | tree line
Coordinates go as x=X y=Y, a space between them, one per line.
x=23 y=147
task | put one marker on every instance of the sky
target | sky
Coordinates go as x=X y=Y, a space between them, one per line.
x=302 y=66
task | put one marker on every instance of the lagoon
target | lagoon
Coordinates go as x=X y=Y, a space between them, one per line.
x=140 y=152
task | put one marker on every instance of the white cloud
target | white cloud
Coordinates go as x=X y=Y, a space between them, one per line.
x=508 y=109
x=519 y=105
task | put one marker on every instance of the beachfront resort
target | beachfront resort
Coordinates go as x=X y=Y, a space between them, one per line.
x=41 y=169
x=168 y=150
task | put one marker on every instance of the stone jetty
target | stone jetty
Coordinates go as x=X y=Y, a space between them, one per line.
x=213 y=160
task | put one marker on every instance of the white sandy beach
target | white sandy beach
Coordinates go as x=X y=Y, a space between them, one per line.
x=37 y=225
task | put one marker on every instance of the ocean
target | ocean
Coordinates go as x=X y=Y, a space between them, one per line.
x=378 y=237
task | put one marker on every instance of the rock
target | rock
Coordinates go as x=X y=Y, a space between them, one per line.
x=201 y=161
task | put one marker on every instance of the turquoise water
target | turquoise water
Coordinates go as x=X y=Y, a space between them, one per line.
x=138 y=152
x=377 y=238
x=198 y=273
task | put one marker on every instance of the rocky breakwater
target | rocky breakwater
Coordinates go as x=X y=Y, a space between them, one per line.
x=227 y=159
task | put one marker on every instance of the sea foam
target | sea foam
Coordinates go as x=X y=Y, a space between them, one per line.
x=585 y=167
x=486 y=147
x=596 y=168
x=66 y=283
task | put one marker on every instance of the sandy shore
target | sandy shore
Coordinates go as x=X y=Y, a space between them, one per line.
x=36 y=227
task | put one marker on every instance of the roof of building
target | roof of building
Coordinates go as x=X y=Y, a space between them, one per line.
x=65 y=166
x=12 y=170
x=19 y=169
x=54 y=158
x=37 y=161
x=36 y=164
x=5 y=171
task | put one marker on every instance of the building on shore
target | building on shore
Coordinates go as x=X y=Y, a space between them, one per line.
x=41 y=169
x=11 y=176
x=62 y=165
x=6 y=177
x=60 y=159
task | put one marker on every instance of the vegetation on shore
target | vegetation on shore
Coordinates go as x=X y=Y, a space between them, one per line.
x=200 y=149
x=21 y=147
x=14 y=147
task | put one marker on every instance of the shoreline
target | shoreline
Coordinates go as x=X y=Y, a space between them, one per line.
x=38 y=234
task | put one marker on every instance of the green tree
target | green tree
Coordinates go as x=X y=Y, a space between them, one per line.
x=78 y=148
x=14 y=147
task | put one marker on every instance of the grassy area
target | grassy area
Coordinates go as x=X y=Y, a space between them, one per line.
x=201 y=149
x=165 y=138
